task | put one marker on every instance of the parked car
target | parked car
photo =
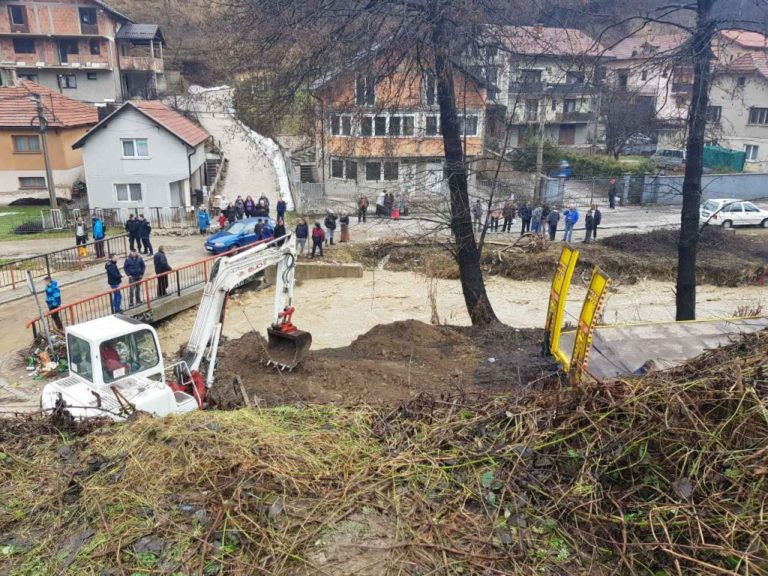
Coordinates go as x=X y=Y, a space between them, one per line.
x=729 y=212
x=238 y=234
x=672 y=158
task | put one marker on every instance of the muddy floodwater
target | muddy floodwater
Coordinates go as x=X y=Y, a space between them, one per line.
x=336 y=311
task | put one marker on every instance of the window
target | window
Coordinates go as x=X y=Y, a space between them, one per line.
x=128 y=192
x=351 y=169
x=26 y=144
x=554 y=105
x=623 y=79
x=644 y=75
x=432 y=126
x=88 y=23
x=23 y=46
x=18 y=17
x=758 y=116
x=128 y=354
x=30 y=77
x=468 y=125
x=430 y=89
x=91 y=75
x=373 y=171
x=492 y=77
x=491 y=51
x=714 y=113
x=69 y=47
x=741 y=81
x=367 y=126
x=531 y=109
x=574 y=77
x=733 y=207
x=751 y=151
x=94 y=46
x=394 y=125
x=68 y=81
x=408 y=123
x=390 y=170
x=80 y=357
x=337 y=168
x=341 y=125
x=135 y=148
x=749 y=207
x=34 y=182
x=530 y=76
x=681 y=101
x=380 y=125
x=343 y=169
x=569 y=105
x=365 y=90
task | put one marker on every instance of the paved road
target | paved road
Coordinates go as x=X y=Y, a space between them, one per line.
x=250 y=172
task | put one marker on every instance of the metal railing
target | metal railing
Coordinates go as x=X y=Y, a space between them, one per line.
x=150 y=290
x=13 y=272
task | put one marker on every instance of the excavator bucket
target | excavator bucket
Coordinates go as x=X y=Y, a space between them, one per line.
x=287 y=349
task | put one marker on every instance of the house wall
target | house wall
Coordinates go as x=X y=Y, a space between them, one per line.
x=60 y=141
x=734 y=131
x=59 y=17
x=657 y=84
x=99 y=90
x=167 y=162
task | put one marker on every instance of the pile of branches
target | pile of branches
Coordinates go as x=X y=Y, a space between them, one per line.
x=665 y=474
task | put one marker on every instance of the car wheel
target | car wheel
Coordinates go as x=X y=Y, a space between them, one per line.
x=727 y=224
x=764 y=223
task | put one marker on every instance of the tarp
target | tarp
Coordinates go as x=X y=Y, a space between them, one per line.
x=717 y=157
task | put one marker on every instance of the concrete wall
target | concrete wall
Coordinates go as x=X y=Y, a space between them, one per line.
x=668 y=189
x=167 y=162
x=106 y=86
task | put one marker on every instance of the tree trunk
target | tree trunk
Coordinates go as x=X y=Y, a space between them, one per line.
x=467 y=252
x=689 y=219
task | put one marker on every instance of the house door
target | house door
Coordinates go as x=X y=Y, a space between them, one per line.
x=434 y=178
x=567 y=135
x=177 y=193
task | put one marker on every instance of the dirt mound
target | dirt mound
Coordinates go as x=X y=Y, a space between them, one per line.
x=390 y=363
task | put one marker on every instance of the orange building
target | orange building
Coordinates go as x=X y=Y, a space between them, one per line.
x=22 y=165
x=385 y=133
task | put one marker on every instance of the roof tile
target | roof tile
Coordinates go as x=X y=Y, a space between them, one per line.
x=542 y=40
x=19 y=110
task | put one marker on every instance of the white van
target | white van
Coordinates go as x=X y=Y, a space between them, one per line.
x=669 y=158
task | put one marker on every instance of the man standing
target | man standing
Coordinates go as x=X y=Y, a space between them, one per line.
x=570 y=217
x=53 y=300
x=98 y=236
x=134 y=268
x=597 y=218
x=477 y=215
x=114 y=278
x=161 y=267
x=589 y=221
x=381 y=200
x=509 y=215
x=280 y=207
x=239 y=207
x=81 y=233
x=330 y=226
x=145 y=229
x=536 y=220
x=552 y=219
x=362 y=208
x=132 y=228
x=525 y=217
x=612 y=193
x=203 y=219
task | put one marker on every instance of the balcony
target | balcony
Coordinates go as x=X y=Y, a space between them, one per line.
x=141 y=64
x=682 y=88
x=526 y=87
x=574 y=117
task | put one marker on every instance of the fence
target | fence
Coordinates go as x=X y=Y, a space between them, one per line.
x=587 y=191
x=150 y=290
x=669 y=189
x=12 y=273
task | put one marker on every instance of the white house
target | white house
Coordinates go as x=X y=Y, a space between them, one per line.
x=143 y=155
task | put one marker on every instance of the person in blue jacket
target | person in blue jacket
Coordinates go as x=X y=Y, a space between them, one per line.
x=98 y=235
x=53 y=300
x=134 y=268
x=114 y=279
x=203 y=219
x=570 y=217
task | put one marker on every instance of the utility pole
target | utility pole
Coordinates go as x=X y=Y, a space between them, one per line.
x=540 y=150
x=43 y=127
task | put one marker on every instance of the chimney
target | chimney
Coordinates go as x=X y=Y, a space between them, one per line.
x=105 y=109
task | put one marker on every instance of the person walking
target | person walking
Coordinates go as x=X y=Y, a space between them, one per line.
x=330 y=226
x=132 y=229
x=477 y=215
x=98 y=236
x=597 y=220
x=570 y=217
x=552 y=219
x=509 y=215
x=280 y=207
x=145 y=229
x=203 y=219
x=318 y=237
x=589 y=221
x=81 y=233
x=344 y=222
x=525 y=218
x=536 y=220
x=114 y=278
x=134 y=268
x=161 y=267
x=362 y=208
x=302 y=233
x=279 y=232
x=612 y=192
x=249 y=206
x=53 y=300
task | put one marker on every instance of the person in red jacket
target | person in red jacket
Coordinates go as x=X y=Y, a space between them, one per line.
x=318 y=237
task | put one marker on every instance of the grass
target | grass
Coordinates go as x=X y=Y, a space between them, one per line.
x=663 y=474
x=14 y=216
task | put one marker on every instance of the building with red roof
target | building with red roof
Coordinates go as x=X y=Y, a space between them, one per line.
x=143 y=157
x=22 y=166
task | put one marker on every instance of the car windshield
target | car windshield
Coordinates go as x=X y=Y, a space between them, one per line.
x=709 y=206
x=80 y=357
x=236 y=228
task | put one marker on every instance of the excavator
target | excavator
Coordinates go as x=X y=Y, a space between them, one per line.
x=116 y=365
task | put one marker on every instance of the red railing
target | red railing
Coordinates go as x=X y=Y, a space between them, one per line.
x=178 y=281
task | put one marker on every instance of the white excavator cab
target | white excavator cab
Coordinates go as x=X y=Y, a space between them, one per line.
x=115 y=368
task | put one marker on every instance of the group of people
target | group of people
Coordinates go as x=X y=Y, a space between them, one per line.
x=134 y=268
x=536 y=219
x=139 y=231
x=319 y=236
x=250 y=208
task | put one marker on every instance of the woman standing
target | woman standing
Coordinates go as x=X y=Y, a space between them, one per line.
x=318 y=237
x=250 y=207
x=344 y=221
x=302 y=233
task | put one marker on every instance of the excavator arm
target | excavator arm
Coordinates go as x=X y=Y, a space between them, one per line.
x=229 y=272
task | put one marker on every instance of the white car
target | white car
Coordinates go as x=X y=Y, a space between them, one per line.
x=729 y=212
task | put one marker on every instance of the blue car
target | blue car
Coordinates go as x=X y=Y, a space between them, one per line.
x=240 y=233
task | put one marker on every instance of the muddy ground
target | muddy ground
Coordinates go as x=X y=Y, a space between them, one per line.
x=390 y=363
